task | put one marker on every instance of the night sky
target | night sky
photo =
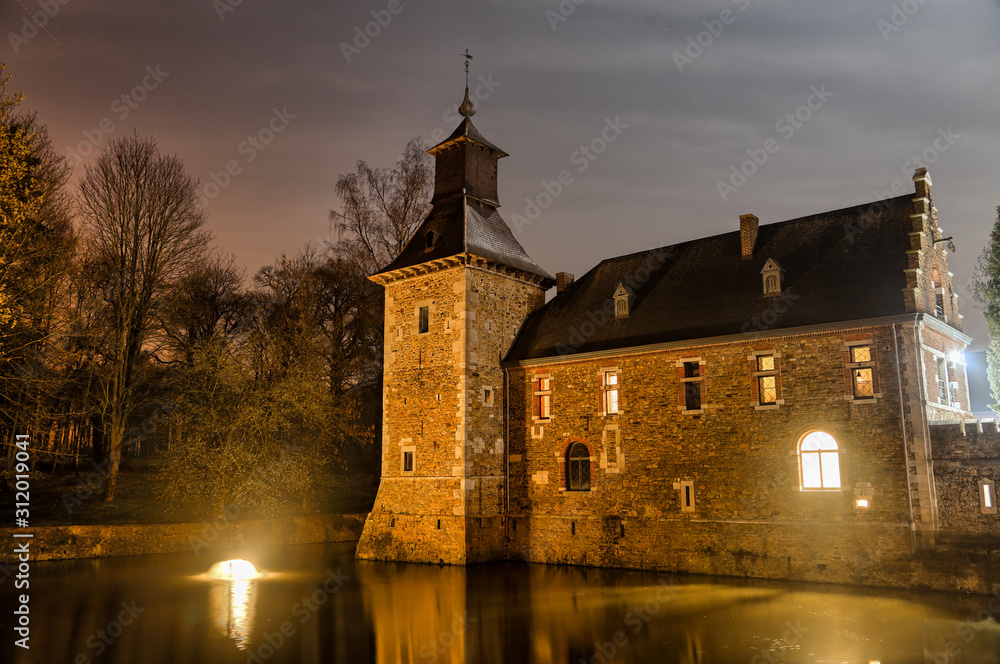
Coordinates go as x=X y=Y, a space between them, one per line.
x=684 y=92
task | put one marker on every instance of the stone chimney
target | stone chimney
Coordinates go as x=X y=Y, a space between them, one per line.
x=922 y=183
x=748 y=234
x=563 y=280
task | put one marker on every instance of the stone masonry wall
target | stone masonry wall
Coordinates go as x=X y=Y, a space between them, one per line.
x=749 y=511
x=965 y=454
x=443 y=402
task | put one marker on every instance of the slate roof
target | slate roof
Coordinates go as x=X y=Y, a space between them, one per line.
x=466 y=225
x=467 y=130
x=841 y=265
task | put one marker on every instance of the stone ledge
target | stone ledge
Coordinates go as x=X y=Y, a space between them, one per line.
x=97 y=541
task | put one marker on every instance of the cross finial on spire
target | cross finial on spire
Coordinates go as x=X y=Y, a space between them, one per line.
x=467 y=56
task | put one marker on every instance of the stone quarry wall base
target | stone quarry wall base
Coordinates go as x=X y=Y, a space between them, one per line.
x=66 y=542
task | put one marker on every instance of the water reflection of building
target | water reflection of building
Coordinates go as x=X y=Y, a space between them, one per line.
x=766 y=402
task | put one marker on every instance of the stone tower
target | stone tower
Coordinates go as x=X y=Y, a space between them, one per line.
x=455 y=298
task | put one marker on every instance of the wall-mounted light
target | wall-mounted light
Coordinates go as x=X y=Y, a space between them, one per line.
x=949 y=240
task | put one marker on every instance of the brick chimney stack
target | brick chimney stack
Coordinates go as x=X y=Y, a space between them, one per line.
x=748 y=234
x=922 y=183
x=563 y=280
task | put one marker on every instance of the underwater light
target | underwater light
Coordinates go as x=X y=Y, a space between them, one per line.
x=234 y=570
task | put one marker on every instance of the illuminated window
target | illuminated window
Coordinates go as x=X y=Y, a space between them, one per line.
x=543 y=398
x=819 y=462
x=578 y=468
x=862 y=372
x=987 y=497
x=487 y=396
x=610 y=388
x=765 y=375
x=424 y=319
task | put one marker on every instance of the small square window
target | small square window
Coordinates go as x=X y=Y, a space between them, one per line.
x=424 y=319
x=861 y=354
x=765 y=363
x=863 y=386
x=768 y=386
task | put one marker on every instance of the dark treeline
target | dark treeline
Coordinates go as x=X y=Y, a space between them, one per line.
x=125 y=333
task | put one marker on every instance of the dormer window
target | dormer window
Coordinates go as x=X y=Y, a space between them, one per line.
x=772 y=277
x=621 y=302
x=430 y=238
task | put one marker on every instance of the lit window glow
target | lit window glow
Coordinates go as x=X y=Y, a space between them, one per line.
x=820 y=461
x=861 y=503
x=988 y=495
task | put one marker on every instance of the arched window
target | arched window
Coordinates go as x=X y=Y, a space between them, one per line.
x=771 y=284
x=819 y=462
x=578 y=468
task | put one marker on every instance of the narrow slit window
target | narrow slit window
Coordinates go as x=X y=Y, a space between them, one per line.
x=543 y=398
x=610 y=392
x=424 y=319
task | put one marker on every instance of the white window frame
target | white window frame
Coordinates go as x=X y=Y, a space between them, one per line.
x=838 y=451
x=607 y=388
x=542 y=394
x=987 y=490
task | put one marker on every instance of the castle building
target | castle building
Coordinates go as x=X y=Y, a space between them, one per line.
x=766 y=402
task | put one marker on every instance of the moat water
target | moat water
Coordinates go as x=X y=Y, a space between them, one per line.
x=317 y=604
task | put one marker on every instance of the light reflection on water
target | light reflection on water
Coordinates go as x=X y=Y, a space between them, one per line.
x=233 y=605
x=321 y=606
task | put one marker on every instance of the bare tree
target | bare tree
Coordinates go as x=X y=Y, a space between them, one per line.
x=207 y=303
x=382 y=207
x=143 y=228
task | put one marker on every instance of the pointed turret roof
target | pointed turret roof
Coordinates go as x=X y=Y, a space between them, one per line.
x=464 y=219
